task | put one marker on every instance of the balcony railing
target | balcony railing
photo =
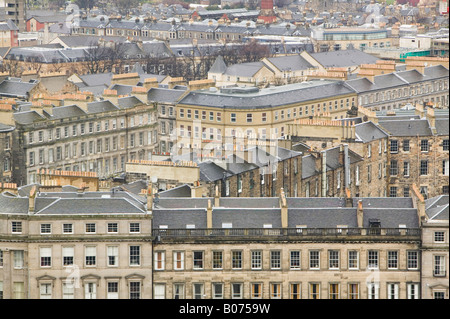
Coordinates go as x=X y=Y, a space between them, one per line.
x=284 y=232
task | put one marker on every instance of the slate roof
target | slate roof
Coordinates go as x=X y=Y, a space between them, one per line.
x=268 y=97
x=16 y=89
x=66 y=111
x=419 y=127
x=211 y=172
x=442 y=126
x=312 y=212
x=62 y=203
x=290 y=62
x=179 y=191
x=164 y=95
x=344 y=58
x=308 y=166
x=368 y=131
x=437 y=208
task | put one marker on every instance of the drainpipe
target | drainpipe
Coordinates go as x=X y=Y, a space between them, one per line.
x=346 y=167
x=324 y=174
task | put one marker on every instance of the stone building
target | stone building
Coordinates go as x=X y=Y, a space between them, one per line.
x=418 y=152
x=435 y=253
x=75 y=133
x=75 y=245
x=351 y=250
x=417 y=85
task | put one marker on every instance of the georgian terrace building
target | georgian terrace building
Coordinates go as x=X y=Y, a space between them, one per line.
x=75 y=244
x=286 y=248
x=390 y=91
x=83 y=135
x=205 y=116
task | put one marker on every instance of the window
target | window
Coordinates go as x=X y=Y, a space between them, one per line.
x=46 y=228
x=45 y=291
x=392 y=291
x=18 y=259
x=236 y=259
x=373 y=290
x=413 y=260
x=314 y=259
x=112 y=227
x=353 y=259
x=236 y=291
x=439 y=295
x=439 y=237
x=333 y=291
x=90 y=228
x=295 y=259
x=68 y=256
x=68 y=290
x=333 y=259
x=233 y=117
x=217 y=290
x=406 y=167
x=275 y=259
x=445 y=145
x=373 y=259
x=178 y=260
x=249 y=117
x=392 y=259
x=178 y=291
x=256 y=259
x=159 y=260
x=424 y=167
x=439 y=266
x=393 y=191
x=412 y=291
x=198 y=291
x=445 y=167
x=135 y=255
x=16 y=227
x=135 y=290
x=217 y=260
x=393 y=168
x=353 y=291
x=394 y=146
x=90 y=255
x=275 y=291
x=406 y=146
x=314 y=291
x=112 y=290
x=263 y=117
x=424 y=147
x=46 y=256
x=295 y=292
x=256 y=291
x=68 y=228
x=135 y=227
x=159 y=291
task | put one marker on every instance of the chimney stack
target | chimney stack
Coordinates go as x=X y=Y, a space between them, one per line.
x=209 y=215
x=284 y=209
x=360 y=214
x=31 y=200
x=216 y=197
x=348 y=198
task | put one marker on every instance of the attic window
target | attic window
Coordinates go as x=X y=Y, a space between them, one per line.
x=190 y=226
x=374 y=223
x=401 y=226
x=267 y=226
x=227 y=225
x=300 y=228
x=163 y=227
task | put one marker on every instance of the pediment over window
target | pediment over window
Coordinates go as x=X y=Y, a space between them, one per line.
x=135 y=276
